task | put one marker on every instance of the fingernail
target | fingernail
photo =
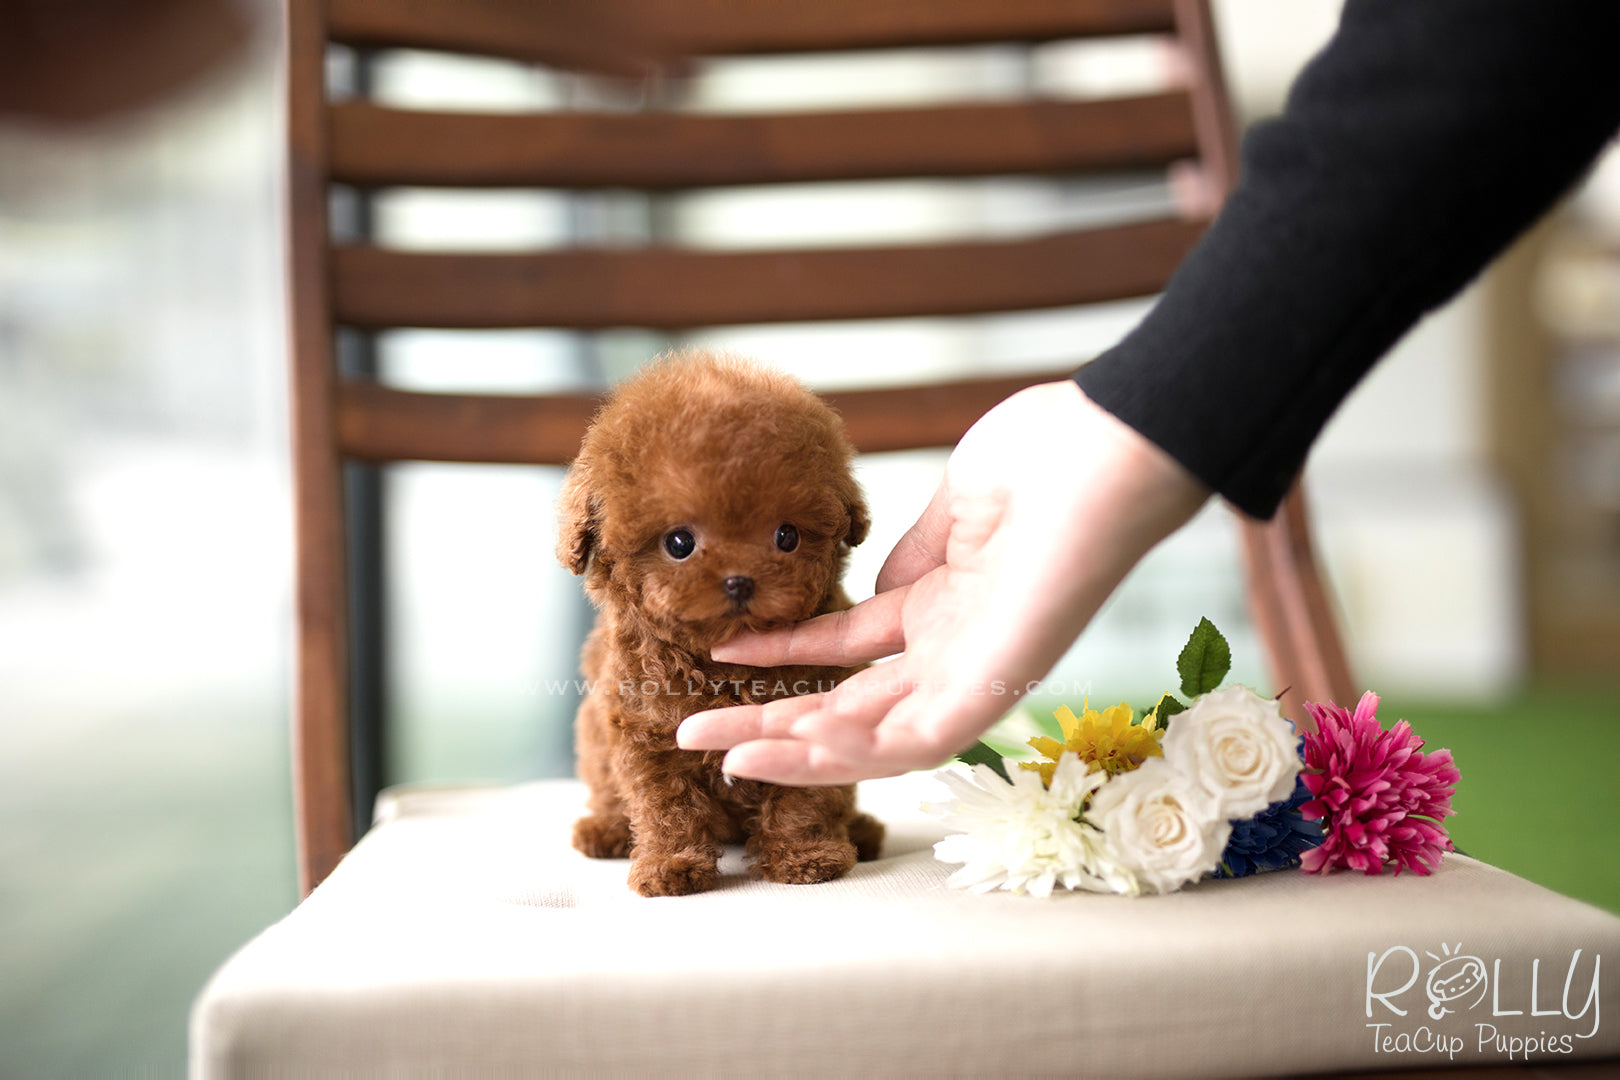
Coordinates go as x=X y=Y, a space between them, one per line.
x=728 y=766
x=682 y=734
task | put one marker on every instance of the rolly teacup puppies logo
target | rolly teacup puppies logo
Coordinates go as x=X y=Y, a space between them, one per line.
x=1520 y=1020
x=1452 y=980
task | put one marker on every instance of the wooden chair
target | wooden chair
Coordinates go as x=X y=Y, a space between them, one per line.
x=367 y=288
x=462 y=936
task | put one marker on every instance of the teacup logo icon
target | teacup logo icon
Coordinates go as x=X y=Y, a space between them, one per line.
x=1452 y=979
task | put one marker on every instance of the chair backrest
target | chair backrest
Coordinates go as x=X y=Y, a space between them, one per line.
x=357 y=286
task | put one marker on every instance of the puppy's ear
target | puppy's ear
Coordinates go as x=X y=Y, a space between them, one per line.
x=859 y=521
x=576 y=521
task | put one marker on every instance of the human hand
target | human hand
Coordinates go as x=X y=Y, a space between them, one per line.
x=1046 y=504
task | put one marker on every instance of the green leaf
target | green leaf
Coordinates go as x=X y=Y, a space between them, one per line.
x=1167 y=707
x=983 y=754
x=1204 y=661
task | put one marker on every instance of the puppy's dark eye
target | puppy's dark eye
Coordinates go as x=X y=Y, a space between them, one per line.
x=787 y=537
x=680 y=543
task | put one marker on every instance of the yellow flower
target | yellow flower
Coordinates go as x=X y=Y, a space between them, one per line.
x=1108 y=740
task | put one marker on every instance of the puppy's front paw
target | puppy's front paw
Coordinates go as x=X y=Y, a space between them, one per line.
x=602 y=837
x=681 y=874
x=806 y=865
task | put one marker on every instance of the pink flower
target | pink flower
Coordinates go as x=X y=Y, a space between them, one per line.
x=1379 y=797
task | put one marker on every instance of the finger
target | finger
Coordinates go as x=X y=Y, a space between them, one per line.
x=833 y=742
x=843 y=719
x=844 y=715
x=922 y=548
x=822 y=751
x=927 y=728
x=804 y=764
x=868 y=631
x=721 y=729
x=920 y=730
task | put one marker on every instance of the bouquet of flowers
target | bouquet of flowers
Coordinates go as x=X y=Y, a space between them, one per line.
x=1218 y=786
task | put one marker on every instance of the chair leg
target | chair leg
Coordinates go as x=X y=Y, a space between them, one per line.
x=1293 y=612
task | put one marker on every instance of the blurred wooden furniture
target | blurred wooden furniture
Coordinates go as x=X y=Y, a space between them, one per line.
x=1553 y=385
x=84 y=62
x=372 y=146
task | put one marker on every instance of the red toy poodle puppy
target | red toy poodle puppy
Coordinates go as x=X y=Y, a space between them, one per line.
x=709 y=497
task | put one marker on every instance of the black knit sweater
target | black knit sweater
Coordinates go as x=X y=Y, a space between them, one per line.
x=1414 y=148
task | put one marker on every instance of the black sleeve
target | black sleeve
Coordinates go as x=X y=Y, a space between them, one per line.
x=1413 y=149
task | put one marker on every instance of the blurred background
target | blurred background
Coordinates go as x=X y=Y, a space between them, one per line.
x=1467 y=498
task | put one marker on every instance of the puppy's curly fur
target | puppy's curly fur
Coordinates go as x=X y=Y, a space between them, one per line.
x=709 y=497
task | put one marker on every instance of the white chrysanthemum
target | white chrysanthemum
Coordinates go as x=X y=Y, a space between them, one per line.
x=1239 y=747
x=1021 y=835
x=1159 y=825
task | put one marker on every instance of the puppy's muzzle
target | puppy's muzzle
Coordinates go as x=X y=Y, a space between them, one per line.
x=739 y=588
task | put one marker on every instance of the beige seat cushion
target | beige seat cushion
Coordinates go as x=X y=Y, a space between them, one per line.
x=463 y=936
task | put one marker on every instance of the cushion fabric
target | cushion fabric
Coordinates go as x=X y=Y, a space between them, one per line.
x=463 y=935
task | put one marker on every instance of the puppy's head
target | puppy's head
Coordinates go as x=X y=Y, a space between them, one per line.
x=710 y=497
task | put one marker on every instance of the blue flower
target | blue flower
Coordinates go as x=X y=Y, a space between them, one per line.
x=1271 y=840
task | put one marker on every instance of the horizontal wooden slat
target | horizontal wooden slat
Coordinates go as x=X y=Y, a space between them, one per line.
x=377 y=423
x=909 y=417
x=674 y=289
x=603 y=33
x=375 y=146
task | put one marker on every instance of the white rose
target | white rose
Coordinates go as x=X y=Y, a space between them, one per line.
x=1237 y=745
x=1160 y=826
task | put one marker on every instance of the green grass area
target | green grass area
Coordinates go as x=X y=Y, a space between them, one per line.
x=1538 y=794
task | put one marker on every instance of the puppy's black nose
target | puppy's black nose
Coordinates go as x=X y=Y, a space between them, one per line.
x=739 y=588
